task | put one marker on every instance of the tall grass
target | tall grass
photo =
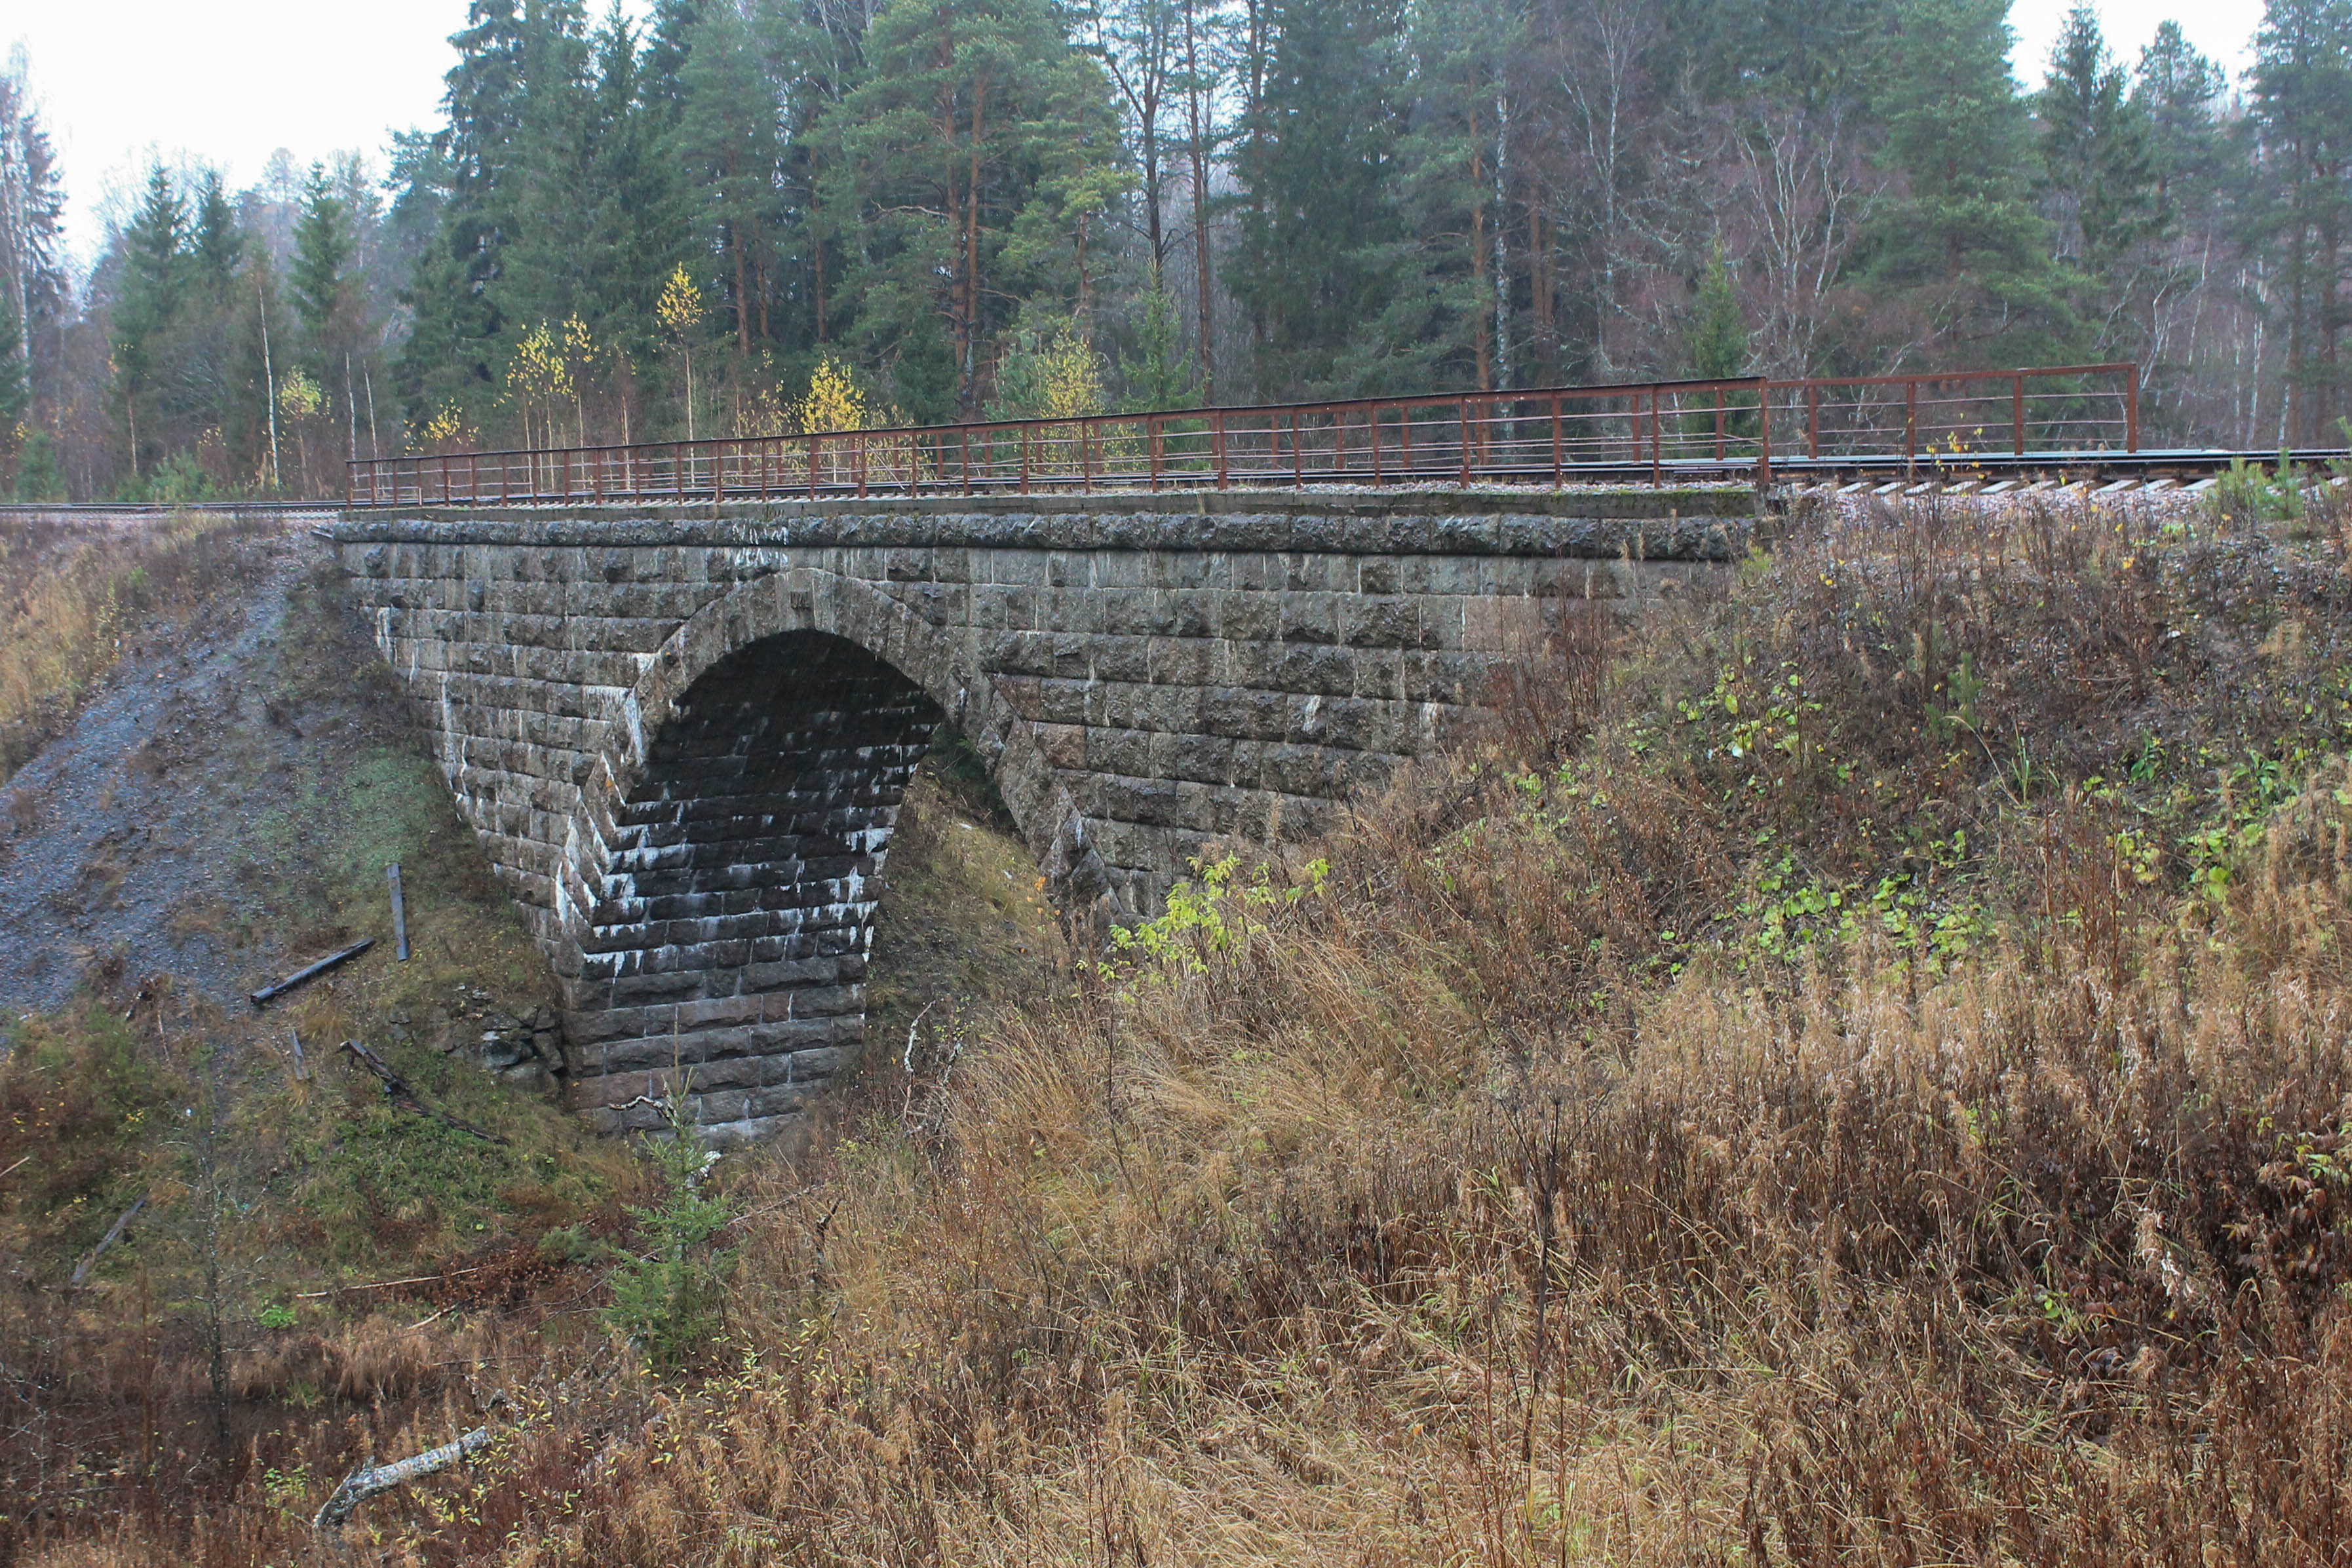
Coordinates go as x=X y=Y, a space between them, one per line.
x=1854 y=1073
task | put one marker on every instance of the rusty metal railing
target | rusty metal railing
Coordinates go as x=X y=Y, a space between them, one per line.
x=1653 y=433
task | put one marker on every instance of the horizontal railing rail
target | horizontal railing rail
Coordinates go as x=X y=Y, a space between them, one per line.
x=1736 y=429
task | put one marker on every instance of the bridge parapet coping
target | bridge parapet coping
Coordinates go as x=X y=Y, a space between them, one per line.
x=1698 y=523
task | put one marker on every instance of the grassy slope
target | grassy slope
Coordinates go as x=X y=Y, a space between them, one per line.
x=1855 y=1075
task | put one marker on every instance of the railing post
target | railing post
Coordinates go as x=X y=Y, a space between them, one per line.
x=1153 y=426
x=1911 y=429
x=2131 y=409
x=1657 y=476
x=1297 y=457
x=1376 y=442
x=1719 y=425
x=1024 y=459
x=963 y=458
x=1217 y=436
x=1559 y=473
x=857 y=456
x=2017 y=411
x=1463 y=409
x=1813 y=419
x=1764 y=433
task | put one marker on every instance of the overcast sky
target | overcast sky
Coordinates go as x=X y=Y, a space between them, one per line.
x=226 y=83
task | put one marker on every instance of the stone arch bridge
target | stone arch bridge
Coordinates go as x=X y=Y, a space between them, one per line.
x=682 y=733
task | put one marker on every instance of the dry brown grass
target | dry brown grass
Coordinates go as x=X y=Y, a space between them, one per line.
x=69 y=597
x=1540 y=1185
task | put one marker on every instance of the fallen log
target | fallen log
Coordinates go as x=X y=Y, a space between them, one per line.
x=312 y=971
x=113 y=1234
x=368 y=1481
x=399 y=913
x=403 y=1094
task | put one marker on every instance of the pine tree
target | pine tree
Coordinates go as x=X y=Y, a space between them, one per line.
x=972 y=159
x=1812 y=54
x=726 y=141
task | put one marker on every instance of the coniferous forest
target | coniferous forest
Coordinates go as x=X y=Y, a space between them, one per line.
x=753 y=217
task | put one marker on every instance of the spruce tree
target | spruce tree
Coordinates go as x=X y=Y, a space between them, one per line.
x=322 y=247
x=16 y=385
x=1714 y=343
x=1441 y=325
x=546 y=201
x=2301 y=217
x=632 y=194
x=1324 y=239
x=1159 y=374
x=447 y=361
x=2099 y=164
x=217 y=244
x=155 y=282
x=2177 y=90
x=1716 y=346
x=1966 y=254
x=669 y=46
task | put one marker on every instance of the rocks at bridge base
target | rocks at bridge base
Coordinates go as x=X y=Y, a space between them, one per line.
x=726 y=952
x=1143 y=676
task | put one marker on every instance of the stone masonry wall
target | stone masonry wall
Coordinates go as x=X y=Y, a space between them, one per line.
x=682 y=737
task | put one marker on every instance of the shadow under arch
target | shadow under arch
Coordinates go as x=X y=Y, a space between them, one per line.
x=719 y=887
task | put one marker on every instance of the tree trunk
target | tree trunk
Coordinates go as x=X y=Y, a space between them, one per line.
x=1199 y=158
x=1482 y=347
x=969 y=370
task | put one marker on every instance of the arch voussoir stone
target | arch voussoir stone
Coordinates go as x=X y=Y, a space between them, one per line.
x=682 y=737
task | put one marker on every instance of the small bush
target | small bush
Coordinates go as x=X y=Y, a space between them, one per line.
x=668 y=1298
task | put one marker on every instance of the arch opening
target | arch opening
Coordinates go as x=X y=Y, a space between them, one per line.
x=727 y=945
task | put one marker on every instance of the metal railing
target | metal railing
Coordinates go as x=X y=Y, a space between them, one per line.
x=1655 y=433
